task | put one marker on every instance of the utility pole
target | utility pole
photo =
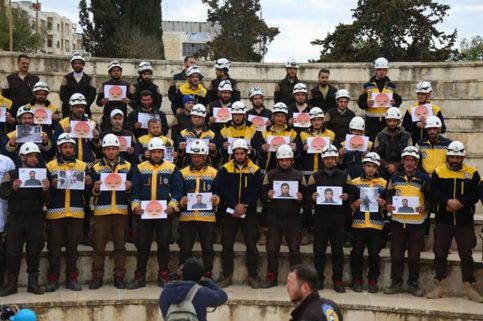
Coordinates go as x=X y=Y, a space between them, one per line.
x=10 y=26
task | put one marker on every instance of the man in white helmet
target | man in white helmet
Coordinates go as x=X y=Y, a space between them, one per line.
x=300 y=104
x=284 y=88
x=454 y=186
x=351 y=160
x=222 y=68
x=418 y=113
x=256 y=96
x=338 y=119
x=25 y=222
x=193 y=86
x=154 y=180
x=115 y=72
x=379 y=83
x=77 y=82
x=390 y=143
x=110 y=212
x=141 y=152
x=6 y=165
x=145 y=83
x=323 y=94
x=117 y=128
x=283 y=215
x=224 y=100
x=434 y=147
x=330 y=220
x=240 y=187
x=180 y=78
x=40 y=91
x=199 y=177
x=407 y=230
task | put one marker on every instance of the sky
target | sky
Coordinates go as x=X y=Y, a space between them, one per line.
x=300 y=22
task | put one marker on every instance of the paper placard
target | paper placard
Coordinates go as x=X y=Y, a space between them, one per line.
x=369 y=196
x=231 y=140
x=421 y=111
x=329 y=195
x=154 y=210
x=302 y=120
x=381 y=99
x=42 y=116
x=144 y=119
x=115 y=92
x=356 y=143
x=81 y=129
x=316 y=144
x=200 y=201
x=113 y=181
x=3 y=114
x=168 y=154
x=277 y=141
x=259 y=122
x=26 y=133
x=190 y=140
x=124 y=143
x=405 y=205
x=70 y=179
x=285 y=189
x=32 y=177
x=222 y=115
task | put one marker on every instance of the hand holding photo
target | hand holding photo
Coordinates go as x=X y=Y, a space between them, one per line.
x=369 y=196
x=200 y=201
x=222 y=115
x=405 y=205
x=356 y=143
x=190 y=140
x=73 y=180
x=154 y=210
x=3 y=114
x=259 y=122
x=124 y=143
x=285 y=189
x=421 y=112
x=302 y=120
x=32 y=177
x=42 y=116
x=277 y=141
x=329 y=195
x=381 y=99
x=113 y=181
x=81 y=129
x=316 y=144
x=115 y=92
x=26 y=133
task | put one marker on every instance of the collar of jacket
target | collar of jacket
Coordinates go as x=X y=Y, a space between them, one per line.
x=190 y=128
x=46 y=103
x=386 y=79
x=314 y=296
x=396 y=132
x=156 y=164
x=83 y=118
x=152 y=110
x=119 y=161
x=363 y=176
x=192 y=168
x=271 y=128
x=68 y=162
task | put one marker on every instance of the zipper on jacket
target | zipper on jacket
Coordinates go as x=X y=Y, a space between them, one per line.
x=454 y=197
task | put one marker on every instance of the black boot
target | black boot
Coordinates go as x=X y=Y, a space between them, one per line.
x=11 y=286
x=34 y=286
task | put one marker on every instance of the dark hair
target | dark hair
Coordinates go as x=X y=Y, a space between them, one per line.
x=192 y=270
x=145 y=93
x=32 y=172
x=285 y=184
x=306 y=274
x=324 y=71
x=405 y=199
x=199 y=195
x=22 y=56
x=154 y=120
x=185 y=60
x=328 y=190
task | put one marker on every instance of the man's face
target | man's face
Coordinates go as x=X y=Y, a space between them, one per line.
x=116 y=73
x=219 y=73
x=195 y=79
x=189 y=62
x=330 y=162
x=32 y=175
x=293 y=287
x=40 y=96
x=405 y=202
x=240 y=156
x=111 y=152
x=78 y=65
x=285 y=163
x=392 y=124
x=189 y=105
x=67 y=150
x=370 y=169
x=421 y=112
x=146 y=76
x=197 y=121
x=198 y=160
x=78 y=111
x=117 y=122
x=156 y=155
x=433 y=133
x=146 y=102
x=317 y=123
x=357 y=132
x=257 y=101
x=279 y=119
x=300 y=98
x=409 y=164
x=381 y=73
x=199 y=198
x=285 y=190
x=26 y=119
x=225 y=96
x=238 y=119
x=292 y=72
x=31 y=160
x=342 y=103
x=329 y=195
x=23 y=65
x=422 y=97
x=154 y=128
x=455 y=162
x=323 y=79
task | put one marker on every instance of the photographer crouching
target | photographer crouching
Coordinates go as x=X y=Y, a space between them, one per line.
x=188 y=297
x=14 y=313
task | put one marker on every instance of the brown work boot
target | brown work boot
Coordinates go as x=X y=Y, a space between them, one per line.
x=253 y=282
x=440 y=291
x=471 y=294
x=33 y=285
x=226 y=281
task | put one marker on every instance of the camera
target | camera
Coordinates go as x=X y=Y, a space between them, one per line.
x=6 y=312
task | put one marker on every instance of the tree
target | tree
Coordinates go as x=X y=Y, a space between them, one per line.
x=24 y=37
x=244 y=35
x=105 y=23
x=471 y=49
x=400 y=30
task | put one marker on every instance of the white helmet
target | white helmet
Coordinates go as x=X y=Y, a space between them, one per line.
x=115 y=112
x=410 y=151
x=239 y=143
x=77 y=56
x=357 y=123
x=114 y=64
x=292 y=63
x=24 y=110
x=223 y=63
x=299 y=88
x=433 y=122
x=329 y=151
x=280 y=108
x=255 y=91
x=393 y=113
x=225 y=85
x=316 y=112
x=110 y=140
x=284 y=151
x=77 y=99
x=28 y=148
x=65 y=138
x=156 y=143
x=198 y=110
x=145 y=66
x=238 y=107
x=198 y=147
x=193 y=70
x=372 y=157
x=381 y=63
x=456 y=148
x=342 y=93
x=40 y=85
x=424 y=87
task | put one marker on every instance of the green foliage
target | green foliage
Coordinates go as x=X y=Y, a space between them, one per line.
x=24 y=37
x=244 y=35
x=400 y=30
x=471 y=49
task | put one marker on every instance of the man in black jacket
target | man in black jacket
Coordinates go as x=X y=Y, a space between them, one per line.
x=145 y=82
x=302 y=290
x=146 y=105
x=222 y=67
x=284 y=89
x=323 y=94
x=77 y=82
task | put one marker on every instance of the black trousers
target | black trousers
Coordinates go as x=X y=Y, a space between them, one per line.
x=410 y=237
x=372 y=239
x=145 y=229
x=329 y=227
x=189 y=231
x=373 y=126
x=277 y=228
x=63 y=232
x=465 y=240
x=3 y=257
x=249 y=228
x=24 y=229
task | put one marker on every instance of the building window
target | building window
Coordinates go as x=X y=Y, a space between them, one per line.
x=58 y=27
x=58 y=44
x=49 y=42
x=190 y=48
x=49 y=23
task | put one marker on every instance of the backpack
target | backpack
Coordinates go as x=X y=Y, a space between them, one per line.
x=185 y=310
